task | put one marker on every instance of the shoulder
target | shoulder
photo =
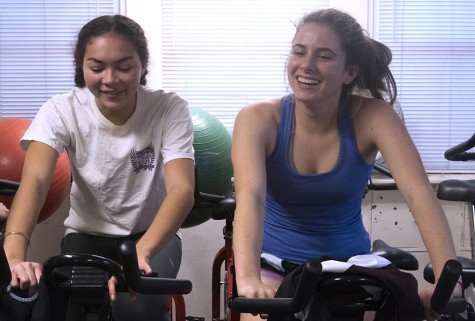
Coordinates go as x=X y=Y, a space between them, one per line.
x=75 y=95
x=162 y=103
x=262 y=112
x=376 y=122
x=159 y=97
x=372 y=112
x=361 y=104
x=256 y=126
x=66 y=105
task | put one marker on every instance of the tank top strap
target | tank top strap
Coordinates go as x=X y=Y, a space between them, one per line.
x=348 y=147
x=284 y=133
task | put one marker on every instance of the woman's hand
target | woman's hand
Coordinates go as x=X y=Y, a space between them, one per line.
x=25 y=275
x=3 y=216
x=143 y=266
x=426 y=296
x=255 y=288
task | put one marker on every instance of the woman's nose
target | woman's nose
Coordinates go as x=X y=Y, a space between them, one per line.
x=308 y=63
x=109 y=76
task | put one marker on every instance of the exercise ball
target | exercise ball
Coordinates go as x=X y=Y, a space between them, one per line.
x=212 y=144
x=12 y=158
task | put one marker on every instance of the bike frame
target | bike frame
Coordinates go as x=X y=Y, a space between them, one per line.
x=223 y=259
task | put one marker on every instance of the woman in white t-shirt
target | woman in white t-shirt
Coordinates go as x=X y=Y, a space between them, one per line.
x=132 y=165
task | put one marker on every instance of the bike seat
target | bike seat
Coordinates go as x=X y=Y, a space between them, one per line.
x=457 y=190
x=400 y=258
x=224 y=209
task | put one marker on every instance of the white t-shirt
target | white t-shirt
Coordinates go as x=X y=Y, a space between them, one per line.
x=118 y=171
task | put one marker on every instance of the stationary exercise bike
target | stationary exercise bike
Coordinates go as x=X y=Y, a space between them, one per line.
x=227 y=306
x=86 y=284
x=309 y=281
x=461 y=191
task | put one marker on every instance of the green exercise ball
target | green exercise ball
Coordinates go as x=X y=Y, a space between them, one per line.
x=212 y=144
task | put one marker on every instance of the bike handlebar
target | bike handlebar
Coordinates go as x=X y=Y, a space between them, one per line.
x=382 y=169
x=441 y=300
x=460 y=151
x=8 y=188
x=147 y=284
x=129 y=276
x=133 y=277
x=304 y=291
x=391 y=186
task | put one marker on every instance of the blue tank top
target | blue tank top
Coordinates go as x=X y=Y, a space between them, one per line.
x=310 y=216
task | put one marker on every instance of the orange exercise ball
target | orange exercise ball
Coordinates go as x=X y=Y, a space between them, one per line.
x=12 y=158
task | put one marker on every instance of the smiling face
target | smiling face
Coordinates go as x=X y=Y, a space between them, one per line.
x=316 y=67
x=112 y=71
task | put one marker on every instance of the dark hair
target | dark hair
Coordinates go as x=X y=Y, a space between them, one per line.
x=370 y=56
x=99 y=26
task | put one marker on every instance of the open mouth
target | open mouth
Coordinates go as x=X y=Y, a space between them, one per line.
x=112 y=93
x=307 y=81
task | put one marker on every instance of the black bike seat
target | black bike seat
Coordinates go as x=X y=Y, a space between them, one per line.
x=457 y=190
x=400 y=258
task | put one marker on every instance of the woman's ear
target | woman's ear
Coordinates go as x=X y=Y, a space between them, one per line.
x=351 y=73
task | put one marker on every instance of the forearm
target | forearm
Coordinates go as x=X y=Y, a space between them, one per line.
x=171 y=215
x=38 y=170
x=22 y=219
x=248 y=237
x=435 y=233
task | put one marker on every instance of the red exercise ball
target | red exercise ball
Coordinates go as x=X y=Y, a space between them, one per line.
x=12 y=158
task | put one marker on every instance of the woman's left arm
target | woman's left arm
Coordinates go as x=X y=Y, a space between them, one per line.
x=402 y=157
x=392 y=139
x=179 y=183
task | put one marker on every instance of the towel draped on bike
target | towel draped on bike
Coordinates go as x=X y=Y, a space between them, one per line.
x=404 y=303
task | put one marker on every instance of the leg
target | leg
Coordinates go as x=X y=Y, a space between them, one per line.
x=151 y=307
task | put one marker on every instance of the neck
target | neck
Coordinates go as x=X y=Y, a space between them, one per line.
x=316 y=118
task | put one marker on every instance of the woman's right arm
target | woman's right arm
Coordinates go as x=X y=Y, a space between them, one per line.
x=252 y=132
x=38 y=170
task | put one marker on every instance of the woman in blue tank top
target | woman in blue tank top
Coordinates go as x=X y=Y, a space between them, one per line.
x=302 y=162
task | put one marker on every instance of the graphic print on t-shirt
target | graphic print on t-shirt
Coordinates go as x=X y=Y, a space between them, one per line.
x=143 y=159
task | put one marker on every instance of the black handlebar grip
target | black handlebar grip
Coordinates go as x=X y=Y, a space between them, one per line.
x=303 y=293
x=148 y=284
x=4 y=183
x=263 y=305
x=382 y=186
x=445 y=286
x=8 y=188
